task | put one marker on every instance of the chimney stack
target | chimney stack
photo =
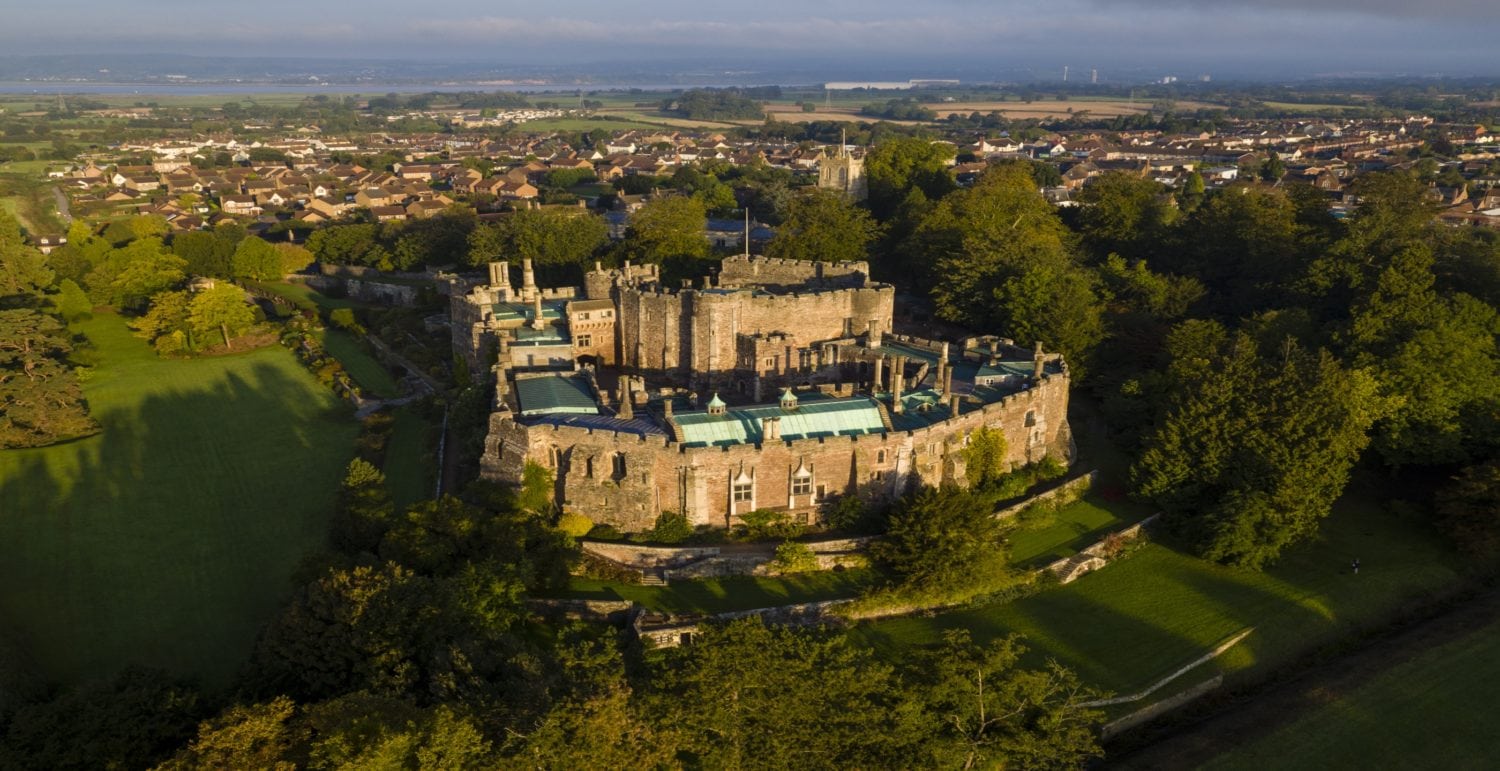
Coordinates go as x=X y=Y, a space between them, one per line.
x=627 y=410
x=666 y=408
x=879 y=373
x=528 y=279
x=1038 y=362
x=536 y=311
x=940 y=384
x=872 y=337
x=898 y=371
x=953 y=405
x=770 y=430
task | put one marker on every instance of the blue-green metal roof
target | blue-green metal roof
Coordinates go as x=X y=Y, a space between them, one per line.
x=1014 y=367
x=555 y=394
x=822 y=417
x=551 y=309
x=915 y=354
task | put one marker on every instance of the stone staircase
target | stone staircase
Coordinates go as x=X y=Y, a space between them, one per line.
x=653 y=577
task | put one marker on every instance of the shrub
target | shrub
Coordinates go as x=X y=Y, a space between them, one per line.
x=765 y=524
x=605 y=533
x=575 y=525
x=793 y=557
x=671 y=528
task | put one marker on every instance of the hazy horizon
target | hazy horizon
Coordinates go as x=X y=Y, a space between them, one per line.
x=1267 y=38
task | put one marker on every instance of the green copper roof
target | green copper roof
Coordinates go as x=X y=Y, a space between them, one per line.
x=743 y=425
x=555 y=394
x=716 y=401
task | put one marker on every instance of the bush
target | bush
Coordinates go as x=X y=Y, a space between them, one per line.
x=575 y=525
x=793 y=557
x=343 y=318
x=602 y=569
x=765 y=524
x=605 y=533
x=671 y=528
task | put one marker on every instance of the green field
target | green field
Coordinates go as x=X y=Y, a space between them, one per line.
x=305 y=297
x=1073 y=527
x=1432 y=711
x=169 y=538
x=366 y=370
x=410 y=459
x=1135 y=621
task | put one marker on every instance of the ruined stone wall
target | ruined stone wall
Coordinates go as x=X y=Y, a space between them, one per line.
x=765 y=271
x=626 y=480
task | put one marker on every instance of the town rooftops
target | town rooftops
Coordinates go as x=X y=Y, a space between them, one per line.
x=554 y=395
x=852 y=416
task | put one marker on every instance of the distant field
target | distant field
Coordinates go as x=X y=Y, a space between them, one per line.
x=1432 y=711
x=608 y=123
x=1040 y=108
x=171 y=537
x=1309 y=108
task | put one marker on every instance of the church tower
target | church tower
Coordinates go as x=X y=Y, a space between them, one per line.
x=843 y=172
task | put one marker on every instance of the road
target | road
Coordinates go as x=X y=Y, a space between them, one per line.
x=63 y=212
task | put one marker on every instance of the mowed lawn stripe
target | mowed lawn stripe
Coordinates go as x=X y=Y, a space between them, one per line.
x=169 y=538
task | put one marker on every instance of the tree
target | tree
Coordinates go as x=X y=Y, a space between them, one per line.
x=984 y=456
x=900 y=164
x=1253 y=449
x=244 y=736
x=1469 y=510
x=221 y=309
x=985 y=711
x=1124 y=214
x=748 y=696
x=204 y=253
x=294 y=258
x=165 y=323
x=40 y=400
x=824 y=225
x=943 y=540
x=668 y=227
x=549 y=237
x=72 y=303
x=131 y=721
x=257 y=260
x=127 y=277
x=24 y=274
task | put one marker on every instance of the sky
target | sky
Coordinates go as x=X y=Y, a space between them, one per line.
x=1243 y=37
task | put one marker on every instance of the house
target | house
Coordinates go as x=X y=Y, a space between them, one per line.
x=423 y=209
x=240 y=205
x=388 y=213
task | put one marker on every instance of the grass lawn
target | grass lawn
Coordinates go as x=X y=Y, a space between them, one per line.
x=722 y=595
x=1073 y=527
x=364 y=368
x=410 y=459
x=305 y=297
x=169 y=538
x=1432 y=711
x=1134 y=622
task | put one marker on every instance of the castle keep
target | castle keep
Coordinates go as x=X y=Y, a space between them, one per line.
x=775 y=386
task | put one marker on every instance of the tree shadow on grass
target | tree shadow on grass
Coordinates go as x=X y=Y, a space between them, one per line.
x=168 y=539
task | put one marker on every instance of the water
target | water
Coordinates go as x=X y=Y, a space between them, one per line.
x=53 y=88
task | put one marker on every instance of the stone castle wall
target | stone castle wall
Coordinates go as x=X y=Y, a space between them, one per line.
x=627 y=480
x=765 y=271
x=699 y=332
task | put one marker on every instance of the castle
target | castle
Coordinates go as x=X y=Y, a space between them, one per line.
x=777 y=385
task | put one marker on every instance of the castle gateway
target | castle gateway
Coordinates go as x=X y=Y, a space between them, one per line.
x=776 y=386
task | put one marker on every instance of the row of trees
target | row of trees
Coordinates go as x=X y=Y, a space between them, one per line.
x=41 y=401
